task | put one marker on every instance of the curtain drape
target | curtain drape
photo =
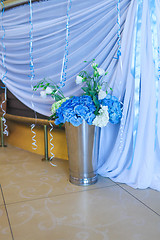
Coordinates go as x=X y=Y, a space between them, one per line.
x=137 y=165
x=93 y=34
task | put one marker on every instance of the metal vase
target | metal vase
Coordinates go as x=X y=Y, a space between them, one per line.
x=83 y=149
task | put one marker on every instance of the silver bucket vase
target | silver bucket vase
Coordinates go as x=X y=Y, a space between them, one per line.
x=83 y=149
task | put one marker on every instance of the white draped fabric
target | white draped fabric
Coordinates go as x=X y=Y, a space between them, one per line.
x=93 y=34
x=139 y=168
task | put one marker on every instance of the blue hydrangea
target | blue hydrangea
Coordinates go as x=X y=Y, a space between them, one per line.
x=114 y=108
x=75 y=110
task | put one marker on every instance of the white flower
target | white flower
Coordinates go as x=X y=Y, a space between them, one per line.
x=102 y=119
x=101 y=95
x=79 y=79
x=43 y=94
x=94 y=64
x=49 y=90
x=101 y=71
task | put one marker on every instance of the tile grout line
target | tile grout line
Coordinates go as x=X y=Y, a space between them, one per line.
x=59 y=195
x=139 y=200
x=6 y=212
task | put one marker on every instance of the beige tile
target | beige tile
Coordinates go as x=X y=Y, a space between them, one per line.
x=148 y=196
x=5 y=233
x=32 y=180
x=101 y=214
x=12 y=155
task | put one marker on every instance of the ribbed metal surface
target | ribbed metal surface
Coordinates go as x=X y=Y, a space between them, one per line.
x=83 y=150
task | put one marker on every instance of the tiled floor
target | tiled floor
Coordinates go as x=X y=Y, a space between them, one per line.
x=37 y=202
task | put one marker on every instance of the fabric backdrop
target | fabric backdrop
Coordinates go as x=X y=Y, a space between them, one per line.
x=93 y=34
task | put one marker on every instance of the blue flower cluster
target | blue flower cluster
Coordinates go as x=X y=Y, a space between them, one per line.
x=114 y=108
x=75 y=110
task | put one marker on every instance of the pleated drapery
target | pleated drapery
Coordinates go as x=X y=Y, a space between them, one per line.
x=93 y=34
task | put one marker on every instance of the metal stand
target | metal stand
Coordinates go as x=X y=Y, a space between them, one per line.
x=2 y=135
x=46 y=158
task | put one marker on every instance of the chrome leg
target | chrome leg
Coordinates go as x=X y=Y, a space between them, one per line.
x=46 y=158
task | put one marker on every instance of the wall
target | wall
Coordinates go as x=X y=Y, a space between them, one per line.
x=20 y=135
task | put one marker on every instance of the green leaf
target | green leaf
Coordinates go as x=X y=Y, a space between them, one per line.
x=95 y=85
x=99 y=87
x=53 y=116
x=92 y=93
x=96 y=102
x=96 y=111
x=58 y=98
x=84 y=89
x=60 y=125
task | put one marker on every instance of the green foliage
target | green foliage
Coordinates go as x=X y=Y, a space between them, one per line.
x=57 y=94
x=93 y=83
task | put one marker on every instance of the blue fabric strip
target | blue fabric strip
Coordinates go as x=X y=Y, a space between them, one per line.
x=4 y=76
x=119 y=30
x=156 y=56
x=136 y=71
x=65 y=58
x=32 y=75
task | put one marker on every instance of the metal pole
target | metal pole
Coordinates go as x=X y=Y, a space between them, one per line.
x=46 y=158
x=2 y=135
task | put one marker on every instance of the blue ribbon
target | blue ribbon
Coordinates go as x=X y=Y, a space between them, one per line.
x=31 y=43
x=32 y=76
x=119 y=30
x=136 y=71
x=156 y=55
x=65 y=58
x=4 y=76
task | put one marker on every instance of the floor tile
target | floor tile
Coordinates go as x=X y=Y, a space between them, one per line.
x=12 y=155
x=34 y=179
x=5 y=233
x=148 y=196
x=100 y=214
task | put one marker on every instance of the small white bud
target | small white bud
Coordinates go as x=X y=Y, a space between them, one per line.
x=79 y=80
x=101 y=71
x=49 y=90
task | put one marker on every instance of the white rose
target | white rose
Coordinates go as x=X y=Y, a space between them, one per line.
x=49 y=90
x=43 y=94
x=101 y=71
x=101 y=95
x=79 y=80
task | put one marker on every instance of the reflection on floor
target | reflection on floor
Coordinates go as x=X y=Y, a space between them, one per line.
x=37 y=202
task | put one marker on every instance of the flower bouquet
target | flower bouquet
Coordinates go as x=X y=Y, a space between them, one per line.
x=83 y=117
x=96 y=106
